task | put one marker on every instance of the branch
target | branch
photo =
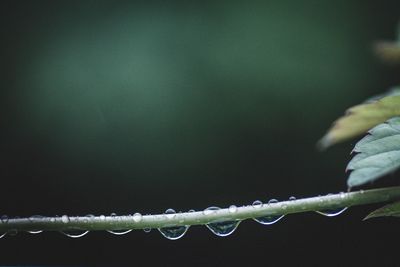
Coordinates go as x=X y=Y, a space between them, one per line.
x=208 y=217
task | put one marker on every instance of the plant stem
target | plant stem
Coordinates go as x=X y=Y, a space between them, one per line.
x=91 y=223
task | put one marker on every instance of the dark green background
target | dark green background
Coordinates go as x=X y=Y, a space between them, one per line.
x=111 y=106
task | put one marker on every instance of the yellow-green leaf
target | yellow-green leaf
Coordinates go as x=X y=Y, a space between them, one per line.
x=392 y=209
x=361 y=118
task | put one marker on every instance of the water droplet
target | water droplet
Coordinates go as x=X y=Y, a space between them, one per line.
x=137 y=217
x=224 y=228
x=4 y=218
x=102 y=217
x=174 y=232
x=170 y=213
x=74 y=233
x=332 y=213
x=147 y=230
x=257 y=204
x=210 y=210
x=119 y=232
x=232 y=208
x=52 y=219
x=191 y=211
x=292 y=198
x=33 y=219
x=273 y=201
x=221 y=228
x=65 y=219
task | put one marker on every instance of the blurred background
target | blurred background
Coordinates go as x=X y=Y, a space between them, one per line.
x=113 y=106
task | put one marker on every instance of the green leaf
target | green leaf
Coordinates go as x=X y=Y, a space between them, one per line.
x=392 y=209
x=361 y=118
x=378 y=154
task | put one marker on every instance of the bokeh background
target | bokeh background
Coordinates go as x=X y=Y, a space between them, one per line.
x=113 y=106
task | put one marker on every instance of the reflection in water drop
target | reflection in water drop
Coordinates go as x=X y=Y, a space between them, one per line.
x=221 y=228
x=74 y=233
x=332 y=213
x=257 y=204
x=174 y=232
x=119 y=232
x=35 y=231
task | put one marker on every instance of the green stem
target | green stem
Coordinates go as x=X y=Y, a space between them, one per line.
x=91 y=223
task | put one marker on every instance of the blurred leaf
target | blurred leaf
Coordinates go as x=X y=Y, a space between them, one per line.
x=361 y=118
x=392 y=209
x=378 y=153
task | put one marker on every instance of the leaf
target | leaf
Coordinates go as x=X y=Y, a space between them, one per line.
x=392 y=209
x=378 y=154
x=361 y=118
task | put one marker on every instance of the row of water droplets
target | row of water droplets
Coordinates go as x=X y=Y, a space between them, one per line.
x=174 y=232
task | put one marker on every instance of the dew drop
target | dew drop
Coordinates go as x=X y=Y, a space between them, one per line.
x=232 y=208
x=102 y=217
x=170 y=213
x=273 y=201
x=332 y=213
x=147 y=230
x=74 y=233
x=137 y=217
x=119 y=232
x=270 y=219
x=174 y=232
x=32 y=219
x=65 y=219
x=292 y=198
x=210 y=210
x=257 y=204
x=4 y=218
x=190 y=211
x=223 y=228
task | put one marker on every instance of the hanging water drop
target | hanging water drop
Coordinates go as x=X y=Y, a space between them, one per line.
x=35 y=231
x=270 y=219
x=221 y=228
x=170 y=213
x=34 y=219
x=74 y=233
x=119 y=232
x=137 y=217
x=332 y=213
x=147 y=230
x=257 y=204
x=174 y=232
x=232 y=209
